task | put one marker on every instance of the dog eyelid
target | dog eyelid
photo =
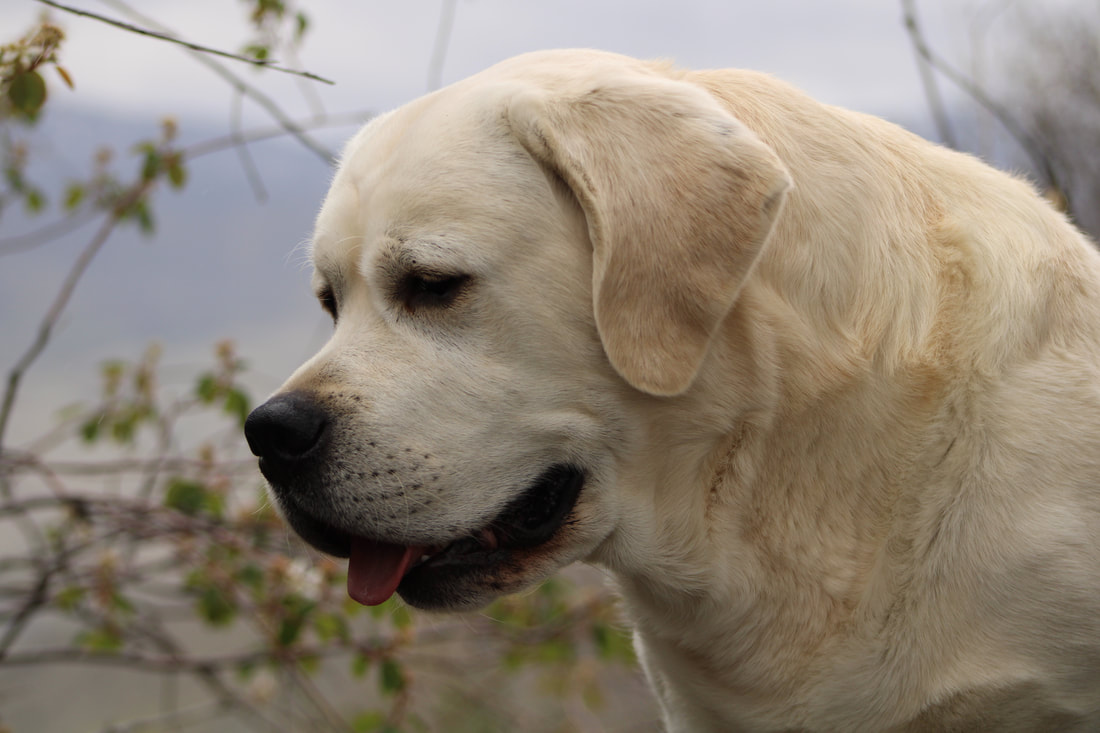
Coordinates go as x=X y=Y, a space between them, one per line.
x=418 y=290
x=328 y=301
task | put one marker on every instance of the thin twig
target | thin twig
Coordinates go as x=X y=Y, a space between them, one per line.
x=245 y=88
x=251 y=172
x=215 y=145
x=46 y=326
x=1032 y=146
x=928 y=79
x=37 y=598
x=72 y=222
x=189 y=716
x=49 y=232
x=267 y=64
x=442 y=42
x=24 y=462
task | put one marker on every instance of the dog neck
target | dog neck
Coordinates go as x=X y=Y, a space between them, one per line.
x=745 y=565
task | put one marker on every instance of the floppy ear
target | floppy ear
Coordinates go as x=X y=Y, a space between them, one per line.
x=679 y=197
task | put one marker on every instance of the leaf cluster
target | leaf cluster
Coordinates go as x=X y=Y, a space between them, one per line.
x=23 y=88
x=276 y=24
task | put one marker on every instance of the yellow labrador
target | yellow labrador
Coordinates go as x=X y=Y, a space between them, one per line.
x=822 y=396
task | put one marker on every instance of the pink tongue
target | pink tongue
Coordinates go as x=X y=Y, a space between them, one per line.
x=375 y=569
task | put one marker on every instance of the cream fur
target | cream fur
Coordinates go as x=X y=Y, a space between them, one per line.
x=837 y=389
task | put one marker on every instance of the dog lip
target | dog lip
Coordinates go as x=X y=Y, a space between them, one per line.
x=530 y=519
x=534 y=516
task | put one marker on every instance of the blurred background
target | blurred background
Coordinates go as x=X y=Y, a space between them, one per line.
x=154 y=284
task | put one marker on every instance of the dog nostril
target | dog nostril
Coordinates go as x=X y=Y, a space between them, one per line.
x=287 y=426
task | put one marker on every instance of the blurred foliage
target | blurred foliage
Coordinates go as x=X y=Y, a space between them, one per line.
x=23 y=94
x=194 y=531
x=22 y=86
x=276 y=23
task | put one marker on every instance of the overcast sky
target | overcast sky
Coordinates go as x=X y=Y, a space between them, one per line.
x=849 y=52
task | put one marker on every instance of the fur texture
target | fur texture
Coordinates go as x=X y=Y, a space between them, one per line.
x=835 y=390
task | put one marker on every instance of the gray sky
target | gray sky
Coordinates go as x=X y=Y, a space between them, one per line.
x=848 y=52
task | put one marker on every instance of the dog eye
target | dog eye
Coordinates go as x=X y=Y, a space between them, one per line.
x=421 y=290
x=328 y=302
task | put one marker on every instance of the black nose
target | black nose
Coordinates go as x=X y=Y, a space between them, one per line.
x=286 y=427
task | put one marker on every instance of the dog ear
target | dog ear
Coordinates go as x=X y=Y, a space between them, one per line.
x=679 y=198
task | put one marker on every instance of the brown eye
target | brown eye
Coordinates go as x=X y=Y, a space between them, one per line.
x=422 y=290
x=328 y=302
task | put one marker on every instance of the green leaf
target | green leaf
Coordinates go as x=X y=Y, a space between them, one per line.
x=359 y=665
x=121 y=603
x=186 y=496
x=139 y=212
x=330 y=626
x=74 y=196
x=69 y=598
x=593 y=697
x=151 y=166
x=246 y=669
x=177 y=174
x=257 y=51
x=370 y=721
x=554 y=651
x=297 y=609
x=613 y=644
x=309 y=663
x=251 y=575
x=237 y=404
x=27 y=94
x=401 y=618
x=214 y=505
x=103 y=640
x=65 y=77
x=89 y=430
x=144 y=218
x=207 y=389
x=35 y=200
x=215 y=607
x=391 y=677
x=301 y=25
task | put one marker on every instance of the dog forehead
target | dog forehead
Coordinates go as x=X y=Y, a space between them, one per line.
x=446 y=164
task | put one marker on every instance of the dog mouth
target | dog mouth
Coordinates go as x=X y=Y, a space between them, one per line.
x=377 y=569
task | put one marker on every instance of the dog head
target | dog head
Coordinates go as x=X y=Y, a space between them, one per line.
x=513 y=265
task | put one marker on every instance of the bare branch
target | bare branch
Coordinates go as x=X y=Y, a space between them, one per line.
x=251 y=172
x=46 y=326
x=236 y=139
x=35 y=600
x=442 y=41
x=267 y=64
x=247 y=89
x=174 y=719
x=1032 y=146
x=226 y=142
x=18 y=462
x=51 y=231
x=928 y=79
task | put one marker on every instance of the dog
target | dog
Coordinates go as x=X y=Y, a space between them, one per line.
x=821 y=396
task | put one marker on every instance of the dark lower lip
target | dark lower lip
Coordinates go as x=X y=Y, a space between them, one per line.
x=529 y=520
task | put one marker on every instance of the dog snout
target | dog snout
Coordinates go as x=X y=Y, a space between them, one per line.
x=286 y=429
